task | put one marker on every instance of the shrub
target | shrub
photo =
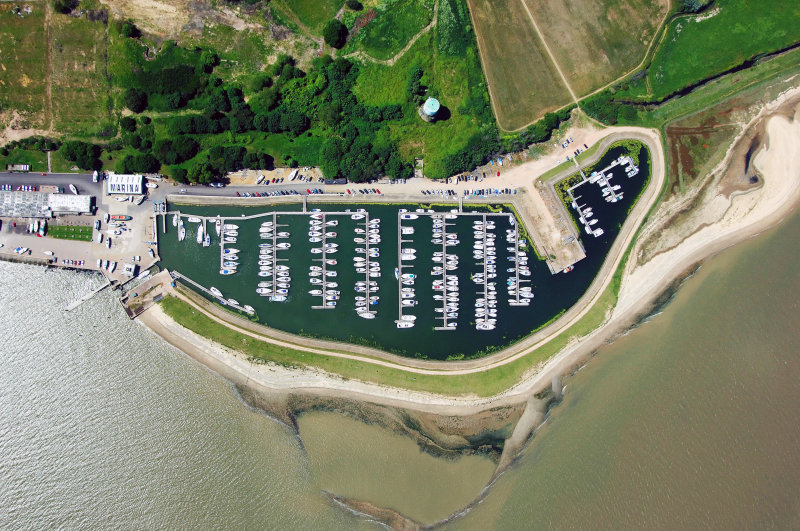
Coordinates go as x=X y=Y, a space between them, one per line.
x=335 y=34
x=135 y=100
x=127 y=123
x=129 y=30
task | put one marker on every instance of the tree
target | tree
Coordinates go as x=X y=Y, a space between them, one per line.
x=415 y=89
x=209 y=60
x=294 y=122
x=179 y=175
x=64 y=6
x=330 y=155
x=129 y=30
x=135 y=100
x=335 y=34
x=128 y=123
x=355 y=5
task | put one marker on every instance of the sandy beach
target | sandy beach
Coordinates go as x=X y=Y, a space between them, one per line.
x=720 y=222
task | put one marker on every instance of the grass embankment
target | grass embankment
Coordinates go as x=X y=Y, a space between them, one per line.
x=313 y=15
x=697 y=47
x=487 y=383
x=69 y=232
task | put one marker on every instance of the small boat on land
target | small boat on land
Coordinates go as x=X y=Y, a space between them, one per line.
x=151 y=185
x=73 y=189
x=121 y=217
x=112 y=267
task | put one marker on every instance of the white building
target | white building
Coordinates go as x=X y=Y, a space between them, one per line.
x=125 y=184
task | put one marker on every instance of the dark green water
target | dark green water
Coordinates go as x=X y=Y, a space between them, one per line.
x=553 y=293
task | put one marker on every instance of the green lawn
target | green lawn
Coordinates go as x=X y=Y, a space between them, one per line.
x=396 y=23
x=67 y=232
x=696 y=48
x=22 y=64
x=36 y=159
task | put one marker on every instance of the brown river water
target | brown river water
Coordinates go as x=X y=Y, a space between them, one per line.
x=691 y=420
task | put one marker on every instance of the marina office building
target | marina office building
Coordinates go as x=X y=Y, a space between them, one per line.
x=124 y=184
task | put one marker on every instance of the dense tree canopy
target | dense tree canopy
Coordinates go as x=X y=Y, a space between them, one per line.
x=335 y=34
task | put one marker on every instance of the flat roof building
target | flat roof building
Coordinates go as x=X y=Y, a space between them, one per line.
x=43 y=205
x=124 y=184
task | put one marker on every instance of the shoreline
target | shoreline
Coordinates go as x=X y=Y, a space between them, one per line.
x=749 y=214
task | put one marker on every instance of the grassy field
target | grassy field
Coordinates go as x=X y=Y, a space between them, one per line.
x=67 y=232
x=395 y=24
x=522 y=79
x=454 y=78
x=80 y=88
x=23 y=66
x=737 y=31
x=594 y=42
x=312 y=14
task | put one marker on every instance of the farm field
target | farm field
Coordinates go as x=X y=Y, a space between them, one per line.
x=23 y=66
x=594 y=42
x=523 y=81
x=80 y=89
x=394 y=25
x=731 y=33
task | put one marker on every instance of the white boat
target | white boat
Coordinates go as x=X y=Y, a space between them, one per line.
x=215 y=292
x=261 y=273
x=112 y=267
x=151 y=185
x=278 y=298
x=73 y=189
x=48 y=253
x=366 y=315
x=207 y=241
x=105 y=264
x=218 y=226
x=229 y=239
x=199 y=234
x=404 y=324
x=233 y=302
x=357 y=216
x=230 y=226
x=231 y=250
x=122 y=199
x=233 y=233
x=408 y=216
x=249 y=309
x=283 y=245
x=227 y=271
x=264 y=291
x=181 y=233
x=99 y=263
